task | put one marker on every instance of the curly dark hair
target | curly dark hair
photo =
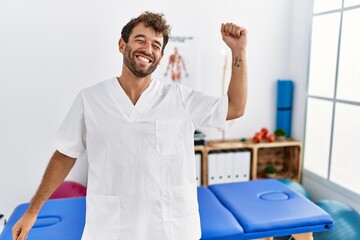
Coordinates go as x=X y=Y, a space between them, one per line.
x=154 y=20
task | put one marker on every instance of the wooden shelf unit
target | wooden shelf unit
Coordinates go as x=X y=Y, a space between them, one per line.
x=285 y=155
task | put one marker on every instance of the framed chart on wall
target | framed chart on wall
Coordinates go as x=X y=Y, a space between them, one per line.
x=179 y=61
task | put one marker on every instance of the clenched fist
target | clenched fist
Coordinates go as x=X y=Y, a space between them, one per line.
x=234 y=36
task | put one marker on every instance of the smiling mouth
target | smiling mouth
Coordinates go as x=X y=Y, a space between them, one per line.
x=143 y=58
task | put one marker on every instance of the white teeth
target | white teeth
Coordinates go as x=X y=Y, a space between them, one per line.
x=143 y=59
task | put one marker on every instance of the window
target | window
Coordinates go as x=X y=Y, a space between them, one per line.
x=318 y=138
x=332 y=132
x=324 y=55
x=349 y=60
x=345 y=163
x=349 y=3
x=326 y=5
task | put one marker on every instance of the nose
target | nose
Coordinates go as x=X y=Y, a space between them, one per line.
x=147 y=48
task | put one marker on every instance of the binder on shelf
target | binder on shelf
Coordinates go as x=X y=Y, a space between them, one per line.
x=241 y=166
x=198 y=168
x=237 y=159
x=220 y=160
x=212 y=165
x=228 y=165
x=245 y=166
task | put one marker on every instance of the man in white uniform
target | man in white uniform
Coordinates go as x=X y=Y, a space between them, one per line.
x=138 y=135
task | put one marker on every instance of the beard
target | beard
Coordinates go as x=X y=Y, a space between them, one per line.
x=138 y=71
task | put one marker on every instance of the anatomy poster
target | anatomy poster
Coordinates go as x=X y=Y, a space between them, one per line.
x=177 y=65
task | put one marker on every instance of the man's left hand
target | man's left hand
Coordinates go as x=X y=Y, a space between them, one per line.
x=234 y=36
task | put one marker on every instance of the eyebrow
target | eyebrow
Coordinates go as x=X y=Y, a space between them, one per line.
x=143 y=36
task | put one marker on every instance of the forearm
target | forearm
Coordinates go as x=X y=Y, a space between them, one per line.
x=55 y=173
x=237 y=92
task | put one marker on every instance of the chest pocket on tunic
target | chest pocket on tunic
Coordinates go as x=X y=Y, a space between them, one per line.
x=170 y=136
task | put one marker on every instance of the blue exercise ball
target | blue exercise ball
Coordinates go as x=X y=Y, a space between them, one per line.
x=347 y=221
x=297 y=187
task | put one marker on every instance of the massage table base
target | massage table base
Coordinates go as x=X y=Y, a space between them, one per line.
x=300 y=236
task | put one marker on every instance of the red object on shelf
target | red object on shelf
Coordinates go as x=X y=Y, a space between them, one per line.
x=257 y=138
x=264 y=132
x=271 y=137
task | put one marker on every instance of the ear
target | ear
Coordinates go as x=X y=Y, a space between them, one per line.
x=122 y=45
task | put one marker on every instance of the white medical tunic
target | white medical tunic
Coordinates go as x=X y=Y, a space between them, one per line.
x=141 y=176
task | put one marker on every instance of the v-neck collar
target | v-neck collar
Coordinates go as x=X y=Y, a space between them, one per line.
x=124 y=102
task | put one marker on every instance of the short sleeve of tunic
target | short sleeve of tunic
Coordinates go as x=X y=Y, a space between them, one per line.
x=70 y=139
x=203 y=109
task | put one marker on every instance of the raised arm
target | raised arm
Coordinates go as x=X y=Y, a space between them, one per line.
x=55 y=173
x=235 y=38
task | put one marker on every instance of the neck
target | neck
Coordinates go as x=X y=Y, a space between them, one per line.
x=132 y=85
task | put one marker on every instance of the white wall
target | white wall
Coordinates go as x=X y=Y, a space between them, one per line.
x=298 y=58
x=52 y=49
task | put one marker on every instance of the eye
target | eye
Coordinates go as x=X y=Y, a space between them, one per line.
x=156 y=47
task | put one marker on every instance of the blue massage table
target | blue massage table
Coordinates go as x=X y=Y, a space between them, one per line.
x=231 y=211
